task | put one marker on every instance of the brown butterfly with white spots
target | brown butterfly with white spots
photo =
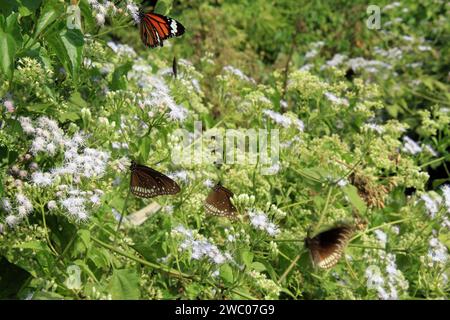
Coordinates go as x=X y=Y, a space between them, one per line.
x=148 y=183
x=218 y=202
x=326 y=248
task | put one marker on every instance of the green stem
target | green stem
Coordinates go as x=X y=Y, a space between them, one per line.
x=426 y=164
x=289 y=268
x=170 y=271
x=325 y=208
x=46 y=231
x=379 y=227
x=121 y=215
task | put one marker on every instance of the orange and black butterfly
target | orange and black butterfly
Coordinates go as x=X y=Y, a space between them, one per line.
x=326 y=247
x=218 y=202
x=155 y=28
x=148 y=183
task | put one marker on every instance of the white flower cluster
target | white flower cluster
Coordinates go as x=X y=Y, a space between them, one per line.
x=199 y=247
x=437 y=253
x=260 y=221
x=101 y=9
x=284 y=120
x=17 y=213
x=390 y=284
x=238 y=73
x=434 y=202
x=75 y=202
x=79 y=162
x=411 y=146
x=336 y=100
x=48 y=137
x=272 y=289
x=156 y=93
x=374 y=127
x=179 y=176
x=122 y=50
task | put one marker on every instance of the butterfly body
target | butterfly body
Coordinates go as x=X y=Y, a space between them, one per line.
x=218 y=202
x=326 y=247
x=155 y=28
x=148 y=183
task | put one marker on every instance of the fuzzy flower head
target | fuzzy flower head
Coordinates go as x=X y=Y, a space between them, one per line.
x=199 y=247
x=260 y=221
x=48 y=137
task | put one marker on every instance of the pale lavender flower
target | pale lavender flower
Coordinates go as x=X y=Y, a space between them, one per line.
x=42 y=179
x=446 y=193
x=12 y=220
x=336 y=100
x=260 y=221
x=411 y=146
x=6 y=205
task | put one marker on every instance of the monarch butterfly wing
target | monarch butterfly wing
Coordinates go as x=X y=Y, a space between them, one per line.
x=326 y=248
x=147 y=183
x=218 y=202
x=155 y=28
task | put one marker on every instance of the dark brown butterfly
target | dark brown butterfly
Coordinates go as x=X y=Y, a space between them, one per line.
x=218 y=202
x=326 y=247
x=155 y=28
x=148 y=183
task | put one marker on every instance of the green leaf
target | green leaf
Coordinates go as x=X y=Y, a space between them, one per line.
x=82 y=243
x=226 y=273
x=38 y=107
x=68 y=47
x=163 y=6
x=119 y=81
x=352 y=194
x=258 y=266
x=8 y=49
x=68 y=116
x=78 y=100
x=48 y=15
x=193 y=290
x=124 y=284
x=13 y=28
x=12 y=279
x=34 y=245
x=99 y=257
x=247 y=258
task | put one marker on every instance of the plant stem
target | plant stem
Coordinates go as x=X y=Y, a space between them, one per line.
x=286 y=272
x=325 y=208
x=122 y=214
x=170 y=271
x=46 y=231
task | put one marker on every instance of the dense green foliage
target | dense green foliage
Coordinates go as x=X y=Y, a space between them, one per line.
x=363 y=119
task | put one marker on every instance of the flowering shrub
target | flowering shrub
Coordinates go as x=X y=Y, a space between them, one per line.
x=363 y=122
